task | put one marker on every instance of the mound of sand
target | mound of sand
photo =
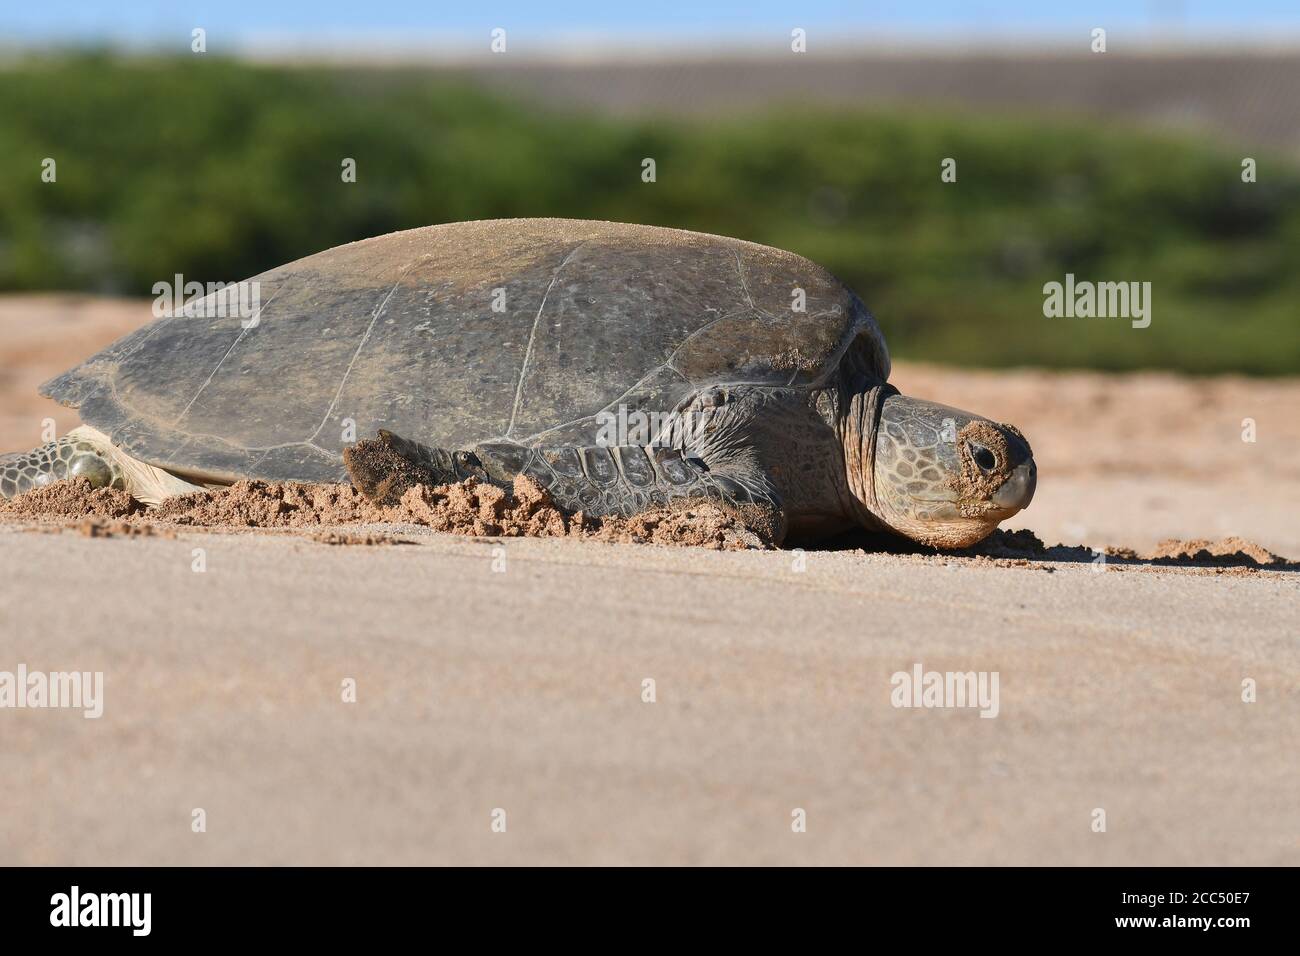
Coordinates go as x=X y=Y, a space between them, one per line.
x=1230 y=552
x=1226 y=552
x=261 y=504
x=470 y=507
x=70 y=499
x=479 y=509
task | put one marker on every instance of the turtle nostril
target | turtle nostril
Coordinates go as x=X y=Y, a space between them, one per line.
x=983 y=457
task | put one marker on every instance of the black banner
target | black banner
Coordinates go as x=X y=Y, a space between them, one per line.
x=336 y=905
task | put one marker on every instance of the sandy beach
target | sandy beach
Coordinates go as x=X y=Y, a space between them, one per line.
x=509 y=674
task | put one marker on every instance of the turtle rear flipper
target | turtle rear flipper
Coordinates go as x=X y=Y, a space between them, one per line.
x=66 y=457
x=87 y=453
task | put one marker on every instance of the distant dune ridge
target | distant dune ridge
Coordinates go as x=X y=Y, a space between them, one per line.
x=1249 y=95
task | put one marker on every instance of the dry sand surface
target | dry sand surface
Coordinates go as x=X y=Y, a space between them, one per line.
x=508 y=673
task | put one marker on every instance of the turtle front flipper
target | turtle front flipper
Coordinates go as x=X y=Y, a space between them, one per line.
x=386 y=467
x=67 y=457
x=597 y=480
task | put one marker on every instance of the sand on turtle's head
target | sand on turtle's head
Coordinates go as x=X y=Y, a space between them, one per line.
x=939 y=475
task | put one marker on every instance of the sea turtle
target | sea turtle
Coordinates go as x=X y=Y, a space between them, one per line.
x=622 y=366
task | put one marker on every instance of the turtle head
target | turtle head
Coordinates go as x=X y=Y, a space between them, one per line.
x=945 y=477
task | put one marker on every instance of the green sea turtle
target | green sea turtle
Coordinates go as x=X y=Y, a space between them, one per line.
x=622 y=366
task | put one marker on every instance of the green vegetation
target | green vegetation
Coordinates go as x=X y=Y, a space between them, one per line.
x=219 y=170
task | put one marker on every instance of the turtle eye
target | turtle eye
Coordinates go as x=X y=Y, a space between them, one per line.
x=983 y=457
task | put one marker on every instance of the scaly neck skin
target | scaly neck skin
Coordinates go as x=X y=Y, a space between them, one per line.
x=859 y=415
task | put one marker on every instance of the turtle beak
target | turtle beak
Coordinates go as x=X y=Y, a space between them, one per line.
x=1018 y=490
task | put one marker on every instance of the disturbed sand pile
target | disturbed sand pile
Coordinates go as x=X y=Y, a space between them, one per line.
x=479 y=509
x=470 y=508
x=1231 y=552
x=70 y=499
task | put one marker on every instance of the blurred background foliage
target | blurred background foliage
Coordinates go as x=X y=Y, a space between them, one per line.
x=220 y=169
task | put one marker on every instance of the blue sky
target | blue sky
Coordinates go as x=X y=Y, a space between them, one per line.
x=149 y=22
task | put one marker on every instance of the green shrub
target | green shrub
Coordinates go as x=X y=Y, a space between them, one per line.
x=219 y=170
